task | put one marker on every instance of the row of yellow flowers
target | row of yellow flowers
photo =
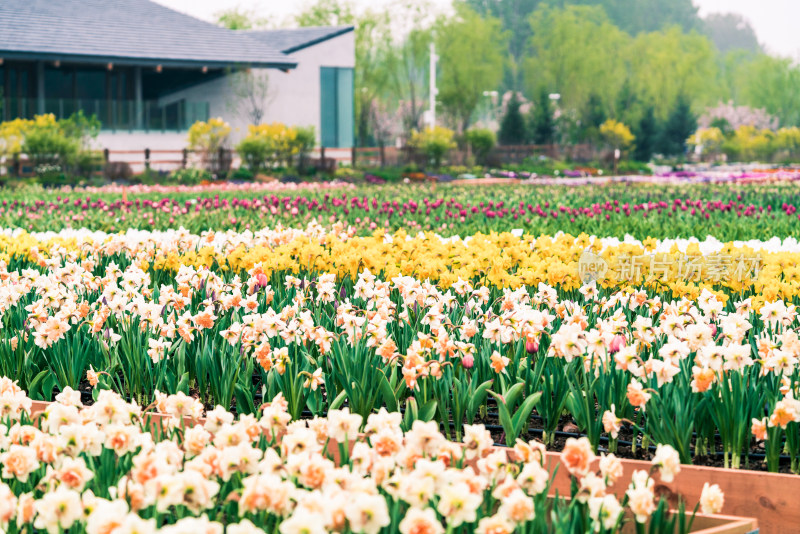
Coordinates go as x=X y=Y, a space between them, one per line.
x=502 y=260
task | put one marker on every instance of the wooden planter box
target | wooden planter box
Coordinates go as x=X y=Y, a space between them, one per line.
x=772 y=499
x=753 y=499
x=717 y=524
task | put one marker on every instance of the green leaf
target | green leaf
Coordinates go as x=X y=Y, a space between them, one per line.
x=339 y=400
x=521 y=416
x=427 y=412
x=37 y=386
x=183 y=385
x=513 y=394
x=244 y=399
x=479 y=396
x=503 y=413
x=387 y=392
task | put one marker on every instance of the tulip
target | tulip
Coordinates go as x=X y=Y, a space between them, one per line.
x=617 y=343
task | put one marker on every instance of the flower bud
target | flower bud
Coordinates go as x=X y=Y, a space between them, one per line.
x=617 y=343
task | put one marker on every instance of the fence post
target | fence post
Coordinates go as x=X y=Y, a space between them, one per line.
x=106 y=155
x=184 y=158
x=220 y=160
x=147 y=158
x=17 y=166
x=322 y=157
x=353 y=157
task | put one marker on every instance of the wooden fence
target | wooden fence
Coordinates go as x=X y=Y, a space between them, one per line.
x=324 y=159
x=391 y=156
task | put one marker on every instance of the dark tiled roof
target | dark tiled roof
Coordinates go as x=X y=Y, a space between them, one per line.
x=291 y=40
x=137 y=31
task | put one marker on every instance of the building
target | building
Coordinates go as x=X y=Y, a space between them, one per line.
x=148 y=72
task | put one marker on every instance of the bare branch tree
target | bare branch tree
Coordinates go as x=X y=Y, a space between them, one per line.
x=386 y=126
x=251 y=94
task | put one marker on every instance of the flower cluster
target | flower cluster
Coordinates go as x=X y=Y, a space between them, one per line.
x=109 y=468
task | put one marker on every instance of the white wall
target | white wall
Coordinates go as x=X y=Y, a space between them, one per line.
x=129 y=146
x=141 y=140
x=294 y=95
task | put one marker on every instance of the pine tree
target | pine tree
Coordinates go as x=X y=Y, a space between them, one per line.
x=646 y=136
x=512 y=127
x=680 y=124
x=543 y=124
x=594 y=114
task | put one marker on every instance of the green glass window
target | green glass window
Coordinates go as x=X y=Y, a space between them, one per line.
x=336 y=100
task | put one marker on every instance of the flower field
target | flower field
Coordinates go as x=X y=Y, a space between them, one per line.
x=724 y=211
x=625 y=321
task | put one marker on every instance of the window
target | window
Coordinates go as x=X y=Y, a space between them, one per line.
x=336 y=121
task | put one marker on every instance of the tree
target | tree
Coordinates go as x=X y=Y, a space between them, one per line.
x=207 y=138
x=434 y=142
x=594 y=115
x=632 y=16
x=647 y=136
x=471 y=51
x=237 y=19
x=513 y=15
x=371 y=75
x=385 y=126
x=616 y=134
x=250 y=94
x=772 y=84
x=731 y=31
x=408 y=65
x=664 y=65
x=679 y=126
x=512 y=127
x=627 y=107
x=575 y=52
x=728 y=117
x=543 y=125
x=327 y=13
x=706 y=142
x=637 y=16
x=481 y=141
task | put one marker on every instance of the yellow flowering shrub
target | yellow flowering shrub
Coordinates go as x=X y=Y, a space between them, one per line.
x=269 y=144
x=208 y=137
x=710 y=139
x=434 y=142
x=749 y=143
x=616 y=134
x=13 y=132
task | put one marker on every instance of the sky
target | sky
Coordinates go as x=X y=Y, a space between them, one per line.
x=775 y=21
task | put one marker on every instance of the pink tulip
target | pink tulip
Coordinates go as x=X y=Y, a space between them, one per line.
x=616 y=344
